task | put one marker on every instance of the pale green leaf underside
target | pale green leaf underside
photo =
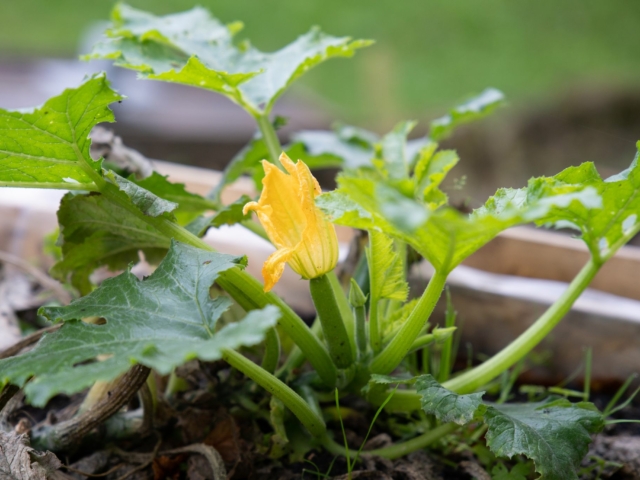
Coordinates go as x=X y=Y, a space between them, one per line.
x=96 y=232
x=444 y=236
x=48 y=147
x=175 y=192
x=160 y=322
x=605 y=230
x=554 y=433
x=194 y=48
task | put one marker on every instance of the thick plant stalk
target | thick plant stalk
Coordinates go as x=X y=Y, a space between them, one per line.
x=66 y=435
x=294 y=402
x=527 y=341
x=271 y=351
x=470 y=381
x=270 y=138
x=335 y=332
x=401 y=344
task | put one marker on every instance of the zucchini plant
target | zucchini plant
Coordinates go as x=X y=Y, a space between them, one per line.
x=367 y=331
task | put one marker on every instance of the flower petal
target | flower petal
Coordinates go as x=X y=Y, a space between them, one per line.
x=286 y=221
x=274 y=266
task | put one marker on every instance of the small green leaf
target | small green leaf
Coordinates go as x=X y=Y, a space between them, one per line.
x=194 y=48
x=175 y=192
x=95 y=232
x=521 y=471
x=346 y=146
x=229 y=215
x=394 y=151
x=554 y=433
x=48 y=147
x=430 y=171
x=474 y=109
x=160 y=322
x=232 y=213
x=446 y=405
x=146 y=201
x=393 y=322
x=387 y=279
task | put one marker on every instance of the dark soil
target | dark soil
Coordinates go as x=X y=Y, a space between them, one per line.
x=209 y=412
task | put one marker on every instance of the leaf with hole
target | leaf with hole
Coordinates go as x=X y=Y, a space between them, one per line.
x=161 y=322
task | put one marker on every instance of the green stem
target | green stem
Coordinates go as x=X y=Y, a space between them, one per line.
x=446 y=359
x=271 y=351
x=270 y=138
x=397 y=450
x=399 y=346
x=296 y=357
x=374 y=325
x=361 y=330
x=422 y=341
x=278 y=389
x=345 y=308
x=335 y=332
x=527 y=341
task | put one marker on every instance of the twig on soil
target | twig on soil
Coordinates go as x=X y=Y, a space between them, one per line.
x=67 y=434
x=209 y=453
x=27 y=341
x=7 y=394
x=154 y=454
x=42 y=278
x=94 y=475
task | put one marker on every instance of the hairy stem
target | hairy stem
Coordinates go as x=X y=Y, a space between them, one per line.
x=270 y=138
x=400 y=345
x=271 y=351
x=278 y=389
x=335 y=332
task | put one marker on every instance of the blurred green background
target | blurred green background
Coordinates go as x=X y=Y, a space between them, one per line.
x=429 y=54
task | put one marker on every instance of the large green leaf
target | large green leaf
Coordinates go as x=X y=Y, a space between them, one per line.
x=196 y=49
x=48 y=147
x=554 y=433
x=95 y=232
x=443 y=235
x=161 y=322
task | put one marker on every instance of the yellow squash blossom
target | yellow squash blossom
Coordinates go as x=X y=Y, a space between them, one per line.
x=300 y=231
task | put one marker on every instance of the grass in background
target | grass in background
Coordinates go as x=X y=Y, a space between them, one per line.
x=429 y=54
